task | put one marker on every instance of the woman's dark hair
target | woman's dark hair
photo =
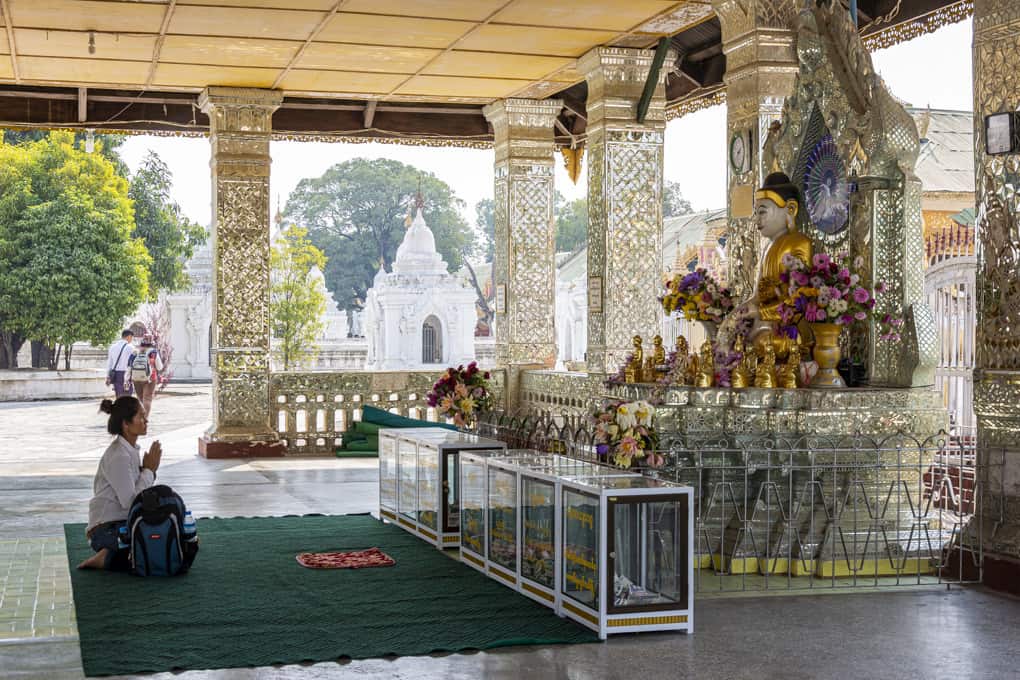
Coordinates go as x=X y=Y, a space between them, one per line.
x=121 y=411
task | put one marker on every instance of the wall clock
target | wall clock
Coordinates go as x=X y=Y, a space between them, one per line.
x=740 y=152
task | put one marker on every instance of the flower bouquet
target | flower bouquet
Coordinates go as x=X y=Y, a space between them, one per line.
x=624 y=434
x=461 y=394
x=697 y=296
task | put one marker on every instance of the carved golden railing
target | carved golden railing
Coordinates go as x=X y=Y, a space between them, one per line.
x=311 y=410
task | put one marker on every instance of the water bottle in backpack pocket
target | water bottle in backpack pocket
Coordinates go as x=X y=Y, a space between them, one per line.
x=158 y=545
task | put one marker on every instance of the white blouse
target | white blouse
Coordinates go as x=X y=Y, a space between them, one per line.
x=119 y=479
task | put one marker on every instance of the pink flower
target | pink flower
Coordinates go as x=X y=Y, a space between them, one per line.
x=814 y=313
x=860 y=316
x=821 y=260
x=861 y=295
x=881 y=287
x=800 y=278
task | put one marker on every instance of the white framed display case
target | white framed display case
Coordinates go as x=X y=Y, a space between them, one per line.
x=626 y=545
x=474 y=504
x=419 y=487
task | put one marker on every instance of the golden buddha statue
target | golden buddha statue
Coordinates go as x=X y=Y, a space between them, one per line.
x=658 y=351
x=775 y=211
x=691 y=374
x=743 y=375
x=706 y=366
x=681 y=360
x=634 y=371
x=787 y=376
x=765 y=376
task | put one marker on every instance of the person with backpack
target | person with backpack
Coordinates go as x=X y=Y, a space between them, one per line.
x=118 y=363
x=123 y=473
x=145 y=369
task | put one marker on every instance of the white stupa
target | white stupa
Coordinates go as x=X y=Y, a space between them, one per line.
x=419 y=315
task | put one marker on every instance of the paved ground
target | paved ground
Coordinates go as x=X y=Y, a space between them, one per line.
x=48 y=455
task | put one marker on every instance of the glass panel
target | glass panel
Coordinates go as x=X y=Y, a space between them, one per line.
x=451 y=492
x=472 y=507
x=580 y=547
x=407 y=456
x=649 y=565
x=428 y=485
x=503 y=518
x=537 y=504
x=387 y=472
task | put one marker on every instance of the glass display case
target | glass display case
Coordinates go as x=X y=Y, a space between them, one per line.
x=427 y=479
x=388 y=475
x=627 y=546
x=502 y=530
x=472 y=508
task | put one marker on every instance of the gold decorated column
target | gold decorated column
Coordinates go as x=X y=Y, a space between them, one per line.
x=761 y=67
x=997 y=377
x=624 y=203
x=525 y=273
x=240 y=123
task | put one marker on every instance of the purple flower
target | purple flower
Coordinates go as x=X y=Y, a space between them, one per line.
x=860 y=316
x=821 y=260
x=602 y=449
x=861 y=295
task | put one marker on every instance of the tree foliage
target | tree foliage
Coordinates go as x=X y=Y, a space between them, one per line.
x=571 y=223
x=170 y=237
x=673 y=201
x=296 y=302
x=355 y=213
x=71 y=268
x=485 y=223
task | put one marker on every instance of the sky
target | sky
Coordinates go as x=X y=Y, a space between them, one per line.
x=932 y=70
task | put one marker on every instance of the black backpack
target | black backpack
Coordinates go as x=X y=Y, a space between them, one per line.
x=157 y=544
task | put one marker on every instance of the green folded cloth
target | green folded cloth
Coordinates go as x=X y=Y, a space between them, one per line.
x=349 y=439
x=361 y=446
x=377 y=416
x=357 y=454
x=361 y=427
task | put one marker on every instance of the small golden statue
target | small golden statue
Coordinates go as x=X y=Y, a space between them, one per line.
x=635 y=369
x=648 y=374
x=691 y=372
x=790 y=370
x=658 y=351
x=743 y=374
x=706 y=371
x=765 y=376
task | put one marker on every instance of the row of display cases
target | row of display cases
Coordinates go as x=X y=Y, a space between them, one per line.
x=419 y=480
x=608 y=548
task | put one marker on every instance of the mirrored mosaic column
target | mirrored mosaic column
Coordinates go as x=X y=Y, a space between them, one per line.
x=997 y=377
x=624 y=203
x=525 y=273
x=761 y=67
x=240 y=122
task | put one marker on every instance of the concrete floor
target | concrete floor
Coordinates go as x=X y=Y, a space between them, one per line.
x=48 y=455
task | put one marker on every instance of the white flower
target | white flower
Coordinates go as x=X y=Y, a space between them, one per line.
x=625 y=417
x=858 y=262
x=643 y=413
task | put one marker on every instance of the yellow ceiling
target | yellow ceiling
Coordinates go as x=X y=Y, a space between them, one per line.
x=403 y=50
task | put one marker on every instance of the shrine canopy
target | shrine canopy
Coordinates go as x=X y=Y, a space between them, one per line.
x=400 y=70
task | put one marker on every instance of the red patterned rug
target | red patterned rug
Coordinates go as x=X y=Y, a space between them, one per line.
x=358 y=559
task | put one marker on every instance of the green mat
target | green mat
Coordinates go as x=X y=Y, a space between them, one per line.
x=247 y=602
x=357 y=452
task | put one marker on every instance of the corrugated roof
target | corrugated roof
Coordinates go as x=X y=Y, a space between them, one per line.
x=946 y=160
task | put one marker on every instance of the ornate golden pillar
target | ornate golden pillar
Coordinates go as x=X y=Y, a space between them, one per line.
x=761 y=66
x=524 y=260
x=240 y=122
x=997 y=376
x=624 y=203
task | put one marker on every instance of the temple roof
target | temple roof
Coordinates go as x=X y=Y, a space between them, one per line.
x=417 y=253
x=946 y=159
x=390 y=70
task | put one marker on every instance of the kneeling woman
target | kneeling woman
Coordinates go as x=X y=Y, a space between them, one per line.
x=122 y=474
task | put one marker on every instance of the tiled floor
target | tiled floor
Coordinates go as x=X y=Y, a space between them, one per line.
x=48 y=455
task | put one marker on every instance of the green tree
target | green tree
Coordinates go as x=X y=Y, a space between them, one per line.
x=296 y=303
x=72 y=270
x=571 y=223
x=485 y=223
x=355 y=213
x=170 y=237
x=106 y=145
x=673 y=201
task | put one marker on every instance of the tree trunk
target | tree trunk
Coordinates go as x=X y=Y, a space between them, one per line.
x=67 y=357
x=10 y=345
x=41 y=354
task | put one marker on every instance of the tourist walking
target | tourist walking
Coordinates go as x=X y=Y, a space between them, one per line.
x=122 y=474
x=118 y=361
x=145 y=369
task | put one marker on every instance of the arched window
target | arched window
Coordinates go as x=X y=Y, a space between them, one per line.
x=432 y=341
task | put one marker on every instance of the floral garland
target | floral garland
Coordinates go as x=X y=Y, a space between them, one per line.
x=462 y=393
x=624 y=433
x=698 y=296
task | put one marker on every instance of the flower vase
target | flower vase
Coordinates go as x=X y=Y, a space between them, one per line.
x=711 y=328
x=826 y=354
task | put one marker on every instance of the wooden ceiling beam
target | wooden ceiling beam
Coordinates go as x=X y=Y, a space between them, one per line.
x=5 y=6
x=157 y=48
x=308 y=41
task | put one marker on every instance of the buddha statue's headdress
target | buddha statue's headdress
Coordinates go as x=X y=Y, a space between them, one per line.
x=778 y=188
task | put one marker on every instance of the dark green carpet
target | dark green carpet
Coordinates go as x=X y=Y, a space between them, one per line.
x=247 y=602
